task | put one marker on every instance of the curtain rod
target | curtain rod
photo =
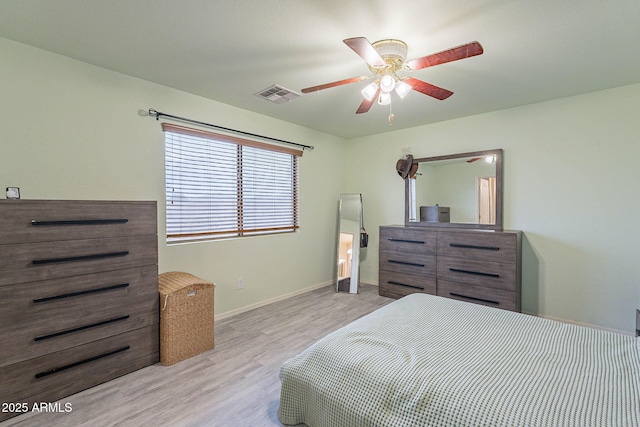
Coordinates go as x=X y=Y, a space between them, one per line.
x=158 y=114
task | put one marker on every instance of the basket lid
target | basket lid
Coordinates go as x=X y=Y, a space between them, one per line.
x=174 y=281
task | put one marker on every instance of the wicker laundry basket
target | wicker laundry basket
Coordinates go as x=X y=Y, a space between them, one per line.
x=186 y=316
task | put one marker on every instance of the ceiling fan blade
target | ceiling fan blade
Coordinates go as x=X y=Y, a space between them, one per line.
x=428 y=88
x=365 y=50
x=453 y=54
x=334 y=84
x=365 y=106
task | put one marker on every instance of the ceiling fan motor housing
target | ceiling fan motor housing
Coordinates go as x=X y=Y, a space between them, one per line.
x=394 y=52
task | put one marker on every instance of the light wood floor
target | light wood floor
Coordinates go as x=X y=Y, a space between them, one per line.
x=235 y=384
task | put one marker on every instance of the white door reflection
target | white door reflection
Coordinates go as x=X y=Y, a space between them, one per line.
x=348 y=251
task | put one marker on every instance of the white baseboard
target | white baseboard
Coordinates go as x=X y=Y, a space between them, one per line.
x=246 y=308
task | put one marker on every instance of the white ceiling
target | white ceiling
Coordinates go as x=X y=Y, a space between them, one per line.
x=534 y=50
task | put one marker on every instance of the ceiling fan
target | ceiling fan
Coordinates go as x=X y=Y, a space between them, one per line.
x=388 y=57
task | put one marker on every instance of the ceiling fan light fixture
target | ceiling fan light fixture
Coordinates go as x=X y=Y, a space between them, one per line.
x=369 y=91
x=384 y=98
x=402 y=88
x=387 y=83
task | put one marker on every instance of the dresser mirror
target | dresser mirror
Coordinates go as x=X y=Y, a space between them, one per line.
x=459 y=190
x=348 y=253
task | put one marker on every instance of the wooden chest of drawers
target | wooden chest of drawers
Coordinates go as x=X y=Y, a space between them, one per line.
x=78 y=295
x=475 y=266
x=407 y=261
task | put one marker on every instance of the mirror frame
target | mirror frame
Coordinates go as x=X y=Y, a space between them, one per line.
x=497 y=226
x=354 y=273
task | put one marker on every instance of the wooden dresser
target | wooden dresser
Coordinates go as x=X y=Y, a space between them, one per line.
x=470 y=265
x=78 y=296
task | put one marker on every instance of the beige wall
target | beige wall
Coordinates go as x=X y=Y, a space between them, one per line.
x=69 y=130
x=572 y=184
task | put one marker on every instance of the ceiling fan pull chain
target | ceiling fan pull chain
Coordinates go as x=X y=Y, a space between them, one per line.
x=390 y=115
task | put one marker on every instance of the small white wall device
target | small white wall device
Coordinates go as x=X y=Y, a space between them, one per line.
x=13 y=193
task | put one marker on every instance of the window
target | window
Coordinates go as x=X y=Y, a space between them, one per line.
x=412 y=199
x=220 y=186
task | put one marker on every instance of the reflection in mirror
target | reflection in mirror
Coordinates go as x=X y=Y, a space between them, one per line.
x=348 y=253
x=460 y=190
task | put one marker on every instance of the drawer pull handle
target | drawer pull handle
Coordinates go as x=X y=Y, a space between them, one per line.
x=484 y=248
x=487 y=301
x=413 y=264
x=80 y=293
x=415 y=242
x=80 y=222
x=79 y=258
x=81 y=362
x=475 y=273
x=391 y=282
x=80 y=328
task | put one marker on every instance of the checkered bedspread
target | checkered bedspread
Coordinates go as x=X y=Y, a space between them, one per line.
x=431 y=361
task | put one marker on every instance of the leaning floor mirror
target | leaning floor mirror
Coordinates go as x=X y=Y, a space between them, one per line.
x=348 y=253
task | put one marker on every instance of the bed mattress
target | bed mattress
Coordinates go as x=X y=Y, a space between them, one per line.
x=430 y=361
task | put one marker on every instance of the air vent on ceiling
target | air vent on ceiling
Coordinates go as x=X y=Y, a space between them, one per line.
x=278 y=94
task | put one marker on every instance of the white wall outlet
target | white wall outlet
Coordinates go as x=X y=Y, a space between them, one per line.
x=13 y=193
x=240 y=283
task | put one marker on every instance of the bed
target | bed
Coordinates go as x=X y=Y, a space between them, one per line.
x=425 y=360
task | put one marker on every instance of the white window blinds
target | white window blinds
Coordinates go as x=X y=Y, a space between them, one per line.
x=220 y=186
